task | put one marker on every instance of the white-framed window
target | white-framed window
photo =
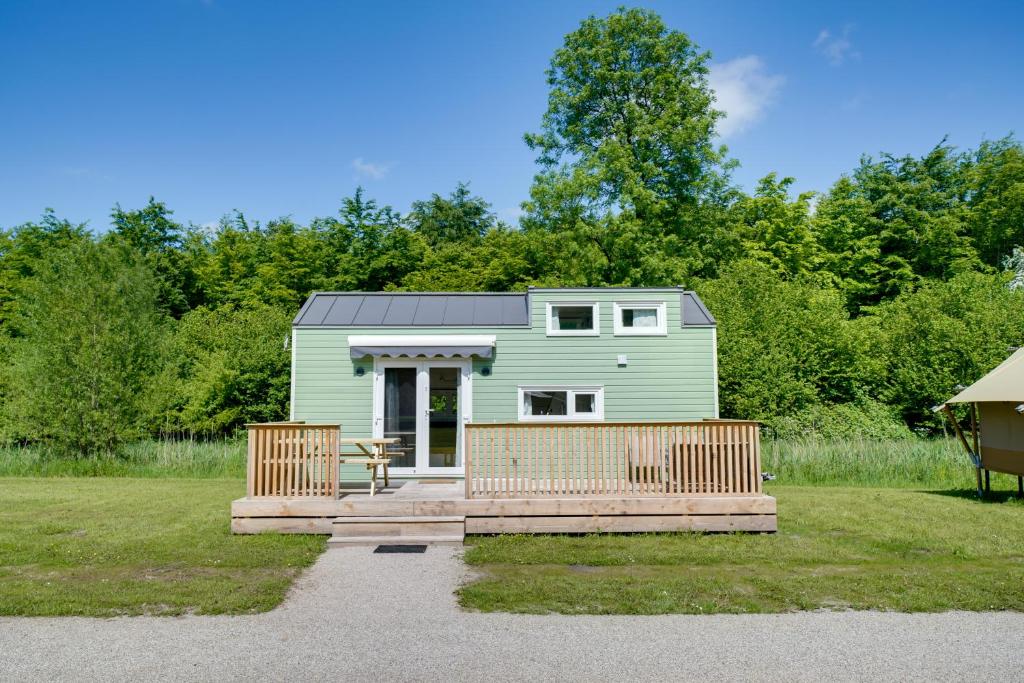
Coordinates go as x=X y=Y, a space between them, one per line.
x=573 y=319
x=561 y=403
x=639 y=318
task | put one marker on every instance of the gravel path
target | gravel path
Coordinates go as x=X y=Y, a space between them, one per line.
x=338 y=625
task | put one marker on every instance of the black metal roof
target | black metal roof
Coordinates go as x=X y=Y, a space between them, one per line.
x=450 y=309
x=401 y=309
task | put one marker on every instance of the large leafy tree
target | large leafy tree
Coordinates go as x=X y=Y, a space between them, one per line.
x=152 y=231
x=945 y=334
x=24 y=251
x=459 y=217
x=227 y=366
x=895 y=221
x=629 y=168
x=81 y=376
x=776 y=230
x=996 y=199
x=785 y=345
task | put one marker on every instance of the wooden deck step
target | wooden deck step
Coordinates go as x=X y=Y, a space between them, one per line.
x=399 y=530
x=394 y=540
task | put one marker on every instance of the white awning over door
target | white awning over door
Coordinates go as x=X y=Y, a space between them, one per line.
x=425 y=345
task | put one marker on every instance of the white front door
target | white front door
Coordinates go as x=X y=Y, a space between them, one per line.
x=424 y=403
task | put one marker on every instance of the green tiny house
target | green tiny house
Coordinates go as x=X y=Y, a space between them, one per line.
x=420 y=367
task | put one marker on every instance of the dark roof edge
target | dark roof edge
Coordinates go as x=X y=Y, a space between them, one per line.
x=699 y=303
x=354 y=293
x=606 y=289
x=302 y=309
x=481 y=326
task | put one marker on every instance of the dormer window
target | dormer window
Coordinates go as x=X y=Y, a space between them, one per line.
x=640 y=319
x=573 y=319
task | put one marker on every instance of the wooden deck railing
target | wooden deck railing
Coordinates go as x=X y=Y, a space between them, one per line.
x=293 y=459
x=516 y=460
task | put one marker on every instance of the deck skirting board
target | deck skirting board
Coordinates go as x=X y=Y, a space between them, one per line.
x=502 y=507
x=504 y=515
x=619 y=524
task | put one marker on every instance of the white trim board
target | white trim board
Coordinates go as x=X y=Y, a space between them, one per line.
x=422 y=340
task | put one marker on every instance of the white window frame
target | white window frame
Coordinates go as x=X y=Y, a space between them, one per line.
x=660 y=330
x=570 y=400
x=552 y=332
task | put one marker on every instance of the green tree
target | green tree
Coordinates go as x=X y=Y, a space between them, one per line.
x=82 y=374
x=227 y=366
x=775 y=230
x=943 y=335
x=629 y=170
x=894 y=222
x=381 y=250
x=785 y=346
x=503 y=260
x=156 y=236
x=460 y=217
x=996 y=199
x=24 y=251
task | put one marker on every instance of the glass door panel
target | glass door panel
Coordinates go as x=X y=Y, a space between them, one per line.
x=400 y=414
x=443 y=416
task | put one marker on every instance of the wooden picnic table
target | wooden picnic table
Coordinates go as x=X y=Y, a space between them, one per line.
x=375 y=450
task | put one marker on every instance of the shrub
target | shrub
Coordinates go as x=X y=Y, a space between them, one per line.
x=866 y=419
x=784 y=346
x=228 y=366
x=945 y=334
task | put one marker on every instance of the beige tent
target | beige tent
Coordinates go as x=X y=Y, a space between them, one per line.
x=997 y=420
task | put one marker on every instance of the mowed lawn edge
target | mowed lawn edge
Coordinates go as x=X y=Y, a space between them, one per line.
x=130 y=546
x=837 y=548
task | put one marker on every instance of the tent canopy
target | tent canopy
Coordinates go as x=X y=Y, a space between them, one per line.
x=1005 y=383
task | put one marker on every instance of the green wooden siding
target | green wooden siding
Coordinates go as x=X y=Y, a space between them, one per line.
x=667 y=378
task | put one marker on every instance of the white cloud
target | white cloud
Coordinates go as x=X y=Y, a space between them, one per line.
x=835 y=48
x=743 y=90
x=370 y=169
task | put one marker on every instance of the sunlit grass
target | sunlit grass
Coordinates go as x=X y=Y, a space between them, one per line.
x=836 y=548
x=106 y=546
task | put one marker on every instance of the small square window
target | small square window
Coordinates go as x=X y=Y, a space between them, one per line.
x=561 y=403
x=572 y=319
x=585 y=403
x=639 y=319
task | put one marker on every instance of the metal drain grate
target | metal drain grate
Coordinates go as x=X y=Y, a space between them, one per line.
x=401 y=549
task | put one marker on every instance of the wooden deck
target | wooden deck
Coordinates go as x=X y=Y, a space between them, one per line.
x=416 y=511
x=520 y=478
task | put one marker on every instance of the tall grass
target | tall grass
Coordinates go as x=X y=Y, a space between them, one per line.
x=170 y=458
x=869 y=462
x=852 y=462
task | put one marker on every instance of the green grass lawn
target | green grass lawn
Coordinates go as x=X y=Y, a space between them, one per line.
x=837 y=548
x=148 y=533
x=105 y=546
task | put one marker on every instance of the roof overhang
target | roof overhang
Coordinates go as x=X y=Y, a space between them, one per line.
x=427 y=345
x=1004 y=384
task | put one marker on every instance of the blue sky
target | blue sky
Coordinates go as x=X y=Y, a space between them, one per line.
x=282 y=108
